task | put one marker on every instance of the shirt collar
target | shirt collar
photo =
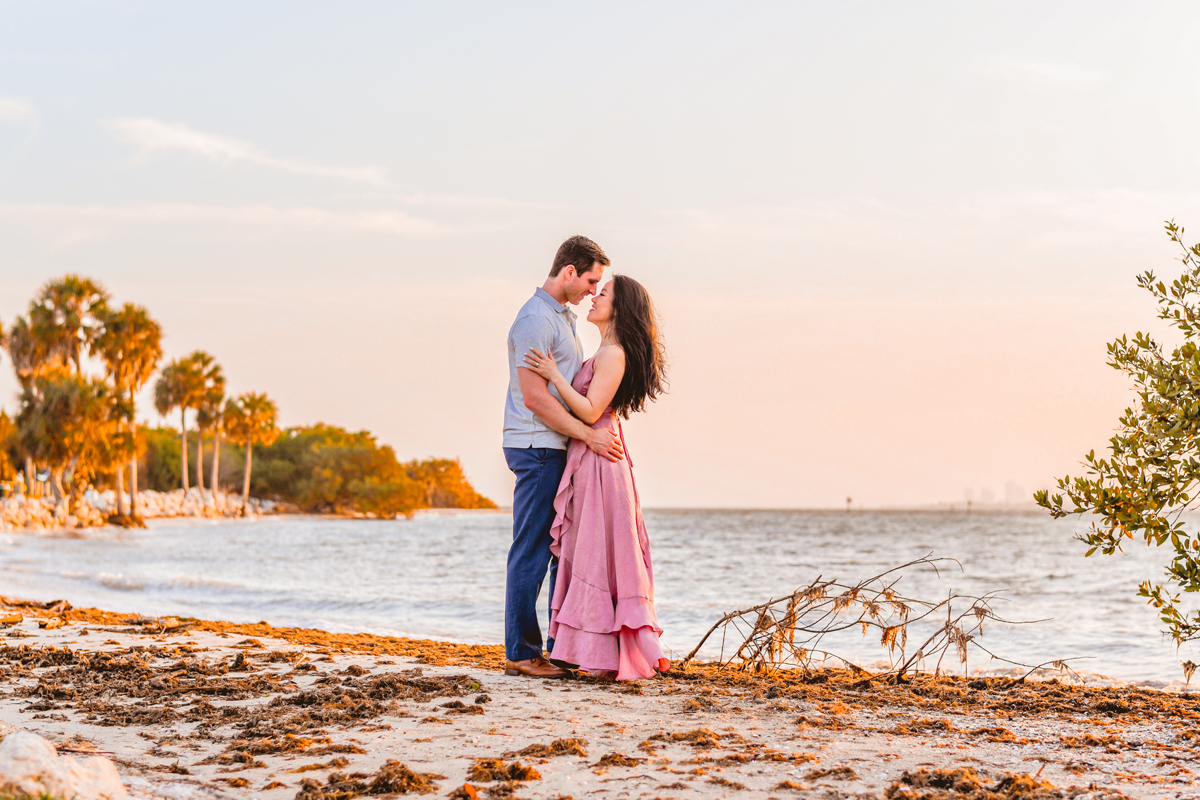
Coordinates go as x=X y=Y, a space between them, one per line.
x=545 y=297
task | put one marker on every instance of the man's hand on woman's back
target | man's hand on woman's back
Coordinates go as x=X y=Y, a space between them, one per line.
x=606 y=443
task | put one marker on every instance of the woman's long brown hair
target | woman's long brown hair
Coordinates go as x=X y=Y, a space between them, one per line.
x=635 y=323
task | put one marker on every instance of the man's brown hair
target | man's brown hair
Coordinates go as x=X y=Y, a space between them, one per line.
x=580 y=252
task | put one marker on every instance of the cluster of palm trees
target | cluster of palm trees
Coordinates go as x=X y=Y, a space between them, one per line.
x=77 y=425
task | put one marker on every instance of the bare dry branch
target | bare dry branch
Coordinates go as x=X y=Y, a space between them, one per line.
x=787 y=632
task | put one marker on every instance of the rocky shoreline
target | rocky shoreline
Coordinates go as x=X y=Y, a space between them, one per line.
x=22 y=513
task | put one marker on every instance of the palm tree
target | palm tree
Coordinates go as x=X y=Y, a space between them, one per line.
x=31 y=355
x=185 y=383
x=8 y=433
x=171 y=392
x=5 y=423
x=6 y=426
x=250 y=420
x=210 y=417
x=130 y=345
x=67 y=316
x=209 y=393
x=64 y=318
x=67 y=419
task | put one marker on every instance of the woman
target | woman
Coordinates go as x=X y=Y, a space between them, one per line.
x=602 y=613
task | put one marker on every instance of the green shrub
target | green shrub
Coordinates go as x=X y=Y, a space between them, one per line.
x=324 y=468
x=158 y=464
x=319 y=468
x=445 y=485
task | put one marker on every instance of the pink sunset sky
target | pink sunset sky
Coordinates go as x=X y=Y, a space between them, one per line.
x=888 y=241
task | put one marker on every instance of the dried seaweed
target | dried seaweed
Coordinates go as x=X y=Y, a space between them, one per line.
x=965 y=784
x=617 y=760
x=459 y=707
x=697 y=737
x=833 y=774
x=791 y=786
x=392 y=778
x=728 y=784
x=160 y=685
x=336 y=763
x=486 y=770
x=425 y=651
x=998 y=733
x=559 y=747
x=926 y=694
x=922 y=726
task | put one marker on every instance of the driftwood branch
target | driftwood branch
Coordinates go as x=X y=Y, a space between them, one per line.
x=788 y=632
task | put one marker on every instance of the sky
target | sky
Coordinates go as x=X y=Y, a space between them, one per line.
x=888 y=242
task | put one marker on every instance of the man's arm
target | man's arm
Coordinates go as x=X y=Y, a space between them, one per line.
x=535 y=390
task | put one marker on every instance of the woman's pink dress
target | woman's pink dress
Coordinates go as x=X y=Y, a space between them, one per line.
x=602 y=614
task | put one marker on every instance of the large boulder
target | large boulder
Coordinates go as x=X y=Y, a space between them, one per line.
x=30 y=766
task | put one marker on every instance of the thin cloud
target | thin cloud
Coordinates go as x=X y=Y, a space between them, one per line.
x=1048 y=73
x=151 y=135
x=13 y=109
x=1114 y=218
x=463 y=201
x=386 y=221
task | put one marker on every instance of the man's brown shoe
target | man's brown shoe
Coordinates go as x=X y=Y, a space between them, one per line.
x=533 y=668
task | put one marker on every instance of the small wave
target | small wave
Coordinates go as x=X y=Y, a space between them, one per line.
x=203 y=583
x=119 y=581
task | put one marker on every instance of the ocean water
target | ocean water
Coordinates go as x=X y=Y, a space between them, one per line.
x=441 y=575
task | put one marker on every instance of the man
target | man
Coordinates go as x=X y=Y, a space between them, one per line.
x=537 y=426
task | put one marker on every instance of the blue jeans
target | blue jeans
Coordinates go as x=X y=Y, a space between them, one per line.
x=538 y=471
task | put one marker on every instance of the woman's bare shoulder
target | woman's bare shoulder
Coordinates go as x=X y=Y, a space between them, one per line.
x=610 y=354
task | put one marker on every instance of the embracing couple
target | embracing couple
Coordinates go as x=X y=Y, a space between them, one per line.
x=576 y=511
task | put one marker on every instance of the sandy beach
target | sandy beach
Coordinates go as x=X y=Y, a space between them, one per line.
x=189 y=708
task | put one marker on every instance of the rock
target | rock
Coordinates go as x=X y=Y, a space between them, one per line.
x=19 y=512
x=95 y=778
x=29 y=765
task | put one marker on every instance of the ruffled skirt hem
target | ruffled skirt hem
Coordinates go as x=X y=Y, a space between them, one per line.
x=631 y=653
x=590 y=608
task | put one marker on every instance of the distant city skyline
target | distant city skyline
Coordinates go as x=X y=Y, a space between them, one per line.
x=889 y=243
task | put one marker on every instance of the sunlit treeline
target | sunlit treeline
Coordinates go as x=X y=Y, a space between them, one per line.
x=80 y=361
x=73 y=424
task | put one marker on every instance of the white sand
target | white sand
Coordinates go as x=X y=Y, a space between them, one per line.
x=524 y=711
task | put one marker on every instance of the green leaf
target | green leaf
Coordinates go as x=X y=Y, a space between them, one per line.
x=1153 y=464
